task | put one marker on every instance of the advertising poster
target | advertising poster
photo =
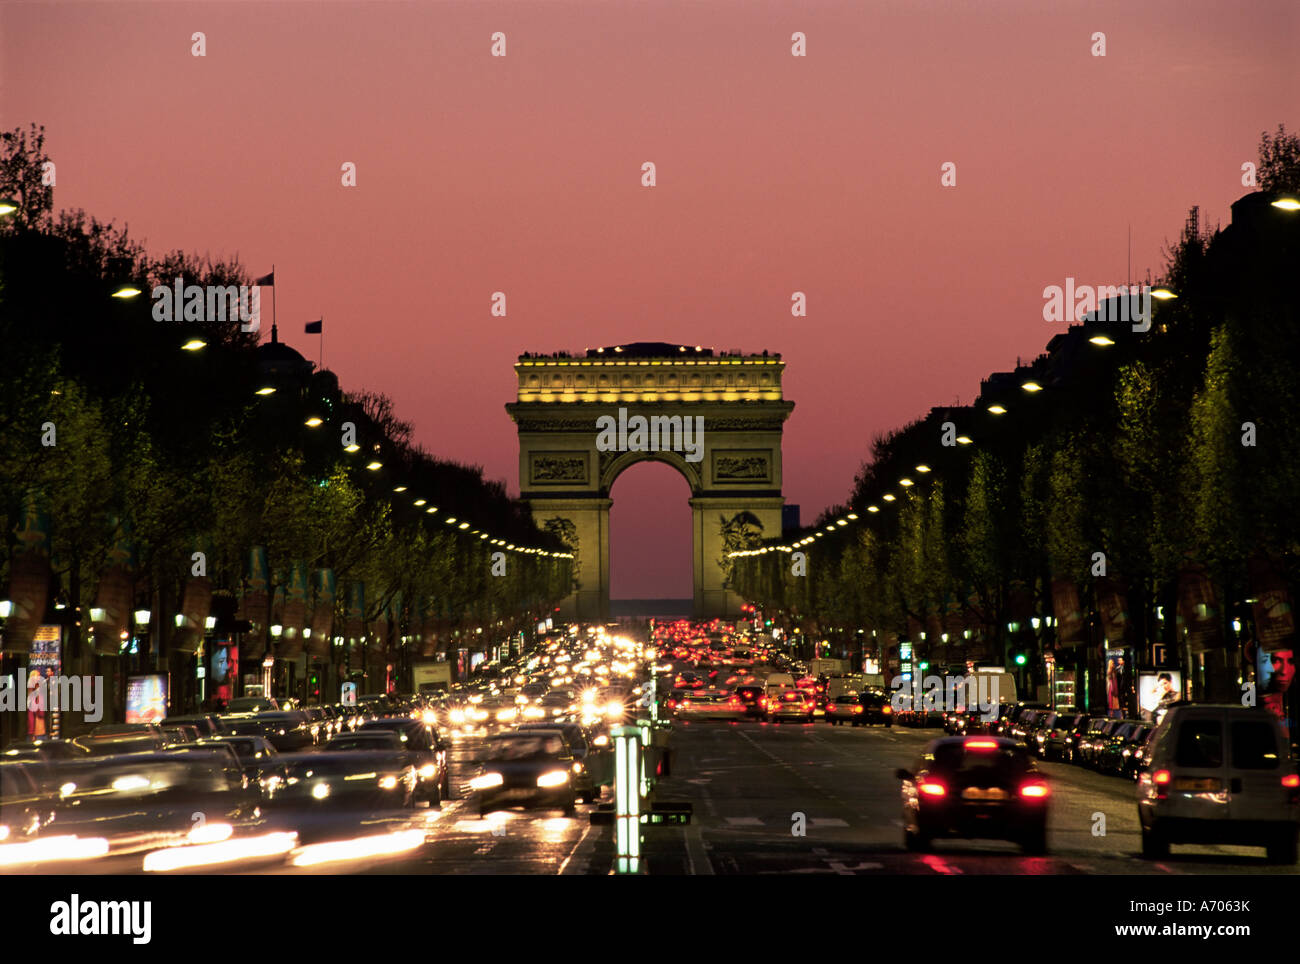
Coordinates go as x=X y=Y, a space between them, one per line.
x=223 y=670
x=146 y=698
x=1276 y=672
x=1158 y=689
x=1120 y=683
x=43 y=663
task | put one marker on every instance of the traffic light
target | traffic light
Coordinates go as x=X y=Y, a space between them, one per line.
x=313 y=685
x=1020 y=659
x=923 y=666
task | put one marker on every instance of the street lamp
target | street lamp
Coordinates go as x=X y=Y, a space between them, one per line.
x=7 y=206
x=127 y=291
x=1163 y=293
x=314 y=422
x=194 y=344
x=1101 y=340
x=1284 y=203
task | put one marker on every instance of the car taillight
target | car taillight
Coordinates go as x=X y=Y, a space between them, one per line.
x=857 y=709
x=1034 y=790
x=1161 y=777
x=933 y=789
x=1291 y=780
x=886 y=709
x=980 y=744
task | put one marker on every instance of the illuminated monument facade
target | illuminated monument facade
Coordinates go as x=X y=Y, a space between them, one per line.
x=567 y=467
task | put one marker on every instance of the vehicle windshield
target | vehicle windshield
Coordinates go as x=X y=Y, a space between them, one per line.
x=524 y=748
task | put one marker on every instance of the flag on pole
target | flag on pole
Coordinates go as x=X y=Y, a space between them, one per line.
x=268 y=280
x=315 y=327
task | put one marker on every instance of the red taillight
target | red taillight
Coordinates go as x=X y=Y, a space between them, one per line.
x=1034 y=790
x=1293 y=780
x=763 y=701
x=1161 y=777
x=933 y=789
x=857 y=709
x=981 y=744
x=886 y=709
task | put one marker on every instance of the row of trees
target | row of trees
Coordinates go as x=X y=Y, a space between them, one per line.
x=115 y=440
x=1132 y=476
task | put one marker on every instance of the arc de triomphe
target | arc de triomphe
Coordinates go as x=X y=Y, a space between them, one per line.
x=567 y=464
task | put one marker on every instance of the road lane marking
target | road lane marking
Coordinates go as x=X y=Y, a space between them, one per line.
x=827 y=822
x=696 y=859
x=585 y=831
x=744 y=821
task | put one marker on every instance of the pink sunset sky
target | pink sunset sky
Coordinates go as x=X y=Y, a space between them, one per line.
x=775 y=173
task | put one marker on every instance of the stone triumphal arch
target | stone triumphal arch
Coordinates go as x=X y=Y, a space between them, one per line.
x=574 y=442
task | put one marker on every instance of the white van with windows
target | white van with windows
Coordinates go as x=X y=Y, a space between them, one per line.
x=1220 y=774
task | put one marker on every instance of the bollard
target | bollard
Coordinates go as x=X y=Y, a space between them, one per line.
x=628 y=773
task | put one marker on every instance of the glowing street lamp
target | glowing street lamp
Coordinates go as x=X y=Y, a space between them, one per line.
x=1284 y=203
x=127 y=291
x=7 y=206
x=265 y=390
x=314 y=422
x=1163 y=293
x=194 y=344
x=1101 y=340
x=1032 y=387
x=997 y=410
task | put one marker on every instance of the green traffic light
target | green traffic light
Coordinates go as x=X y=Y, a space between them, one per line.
x=923 y=666
x=1020 y=659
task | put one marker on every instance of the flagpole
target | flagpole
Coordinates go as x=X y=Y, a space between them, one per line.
x=322 y=342
x=274 y=317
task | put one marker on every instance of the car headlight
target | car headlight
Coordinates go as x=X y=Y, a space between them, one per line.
x=601 y=740
x=554 y=778
x=505 y=716
x=428 y=770
x=534 y=713
x=457 y=716
x=387 y=783
x=320 y=791
x=133 y=782
x=613 y=708
x=486 y=781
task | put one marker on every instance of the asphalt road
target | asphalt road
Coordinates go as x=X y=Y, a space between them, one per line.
x=752 y=785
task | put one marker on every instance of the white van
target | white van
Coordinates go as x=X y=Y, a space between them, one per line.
x=776 y=682
x=1219 y=773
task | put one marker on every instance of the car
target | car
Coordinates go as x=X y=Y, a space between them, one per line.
x=251 y=704
x=425 y=743
x=181 y=733
x=876 y=708
x=288 y=730
x=1110 y=757
x=365 y=780
x=790 y=704
x=843 y=707
x=153 y=791
x=1050 y=741
x=975 y=787
x=710 y=705
x=257 y=758
x=526 y=769
x=25 y=801
x=110 y=739
x=752 y=700
x=1222 y=774
x=597 y=761
x=1094 y=747
x=206 y=723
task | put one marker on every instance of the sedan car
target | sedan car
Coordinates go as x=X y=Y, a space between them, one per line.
x=976 y=787
x=365 y=780
x=596 y=762
x=526 y=769
x=790 y=704
x=710 y=705
x=876 y=708
x=427 y=748
x=843 y=708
